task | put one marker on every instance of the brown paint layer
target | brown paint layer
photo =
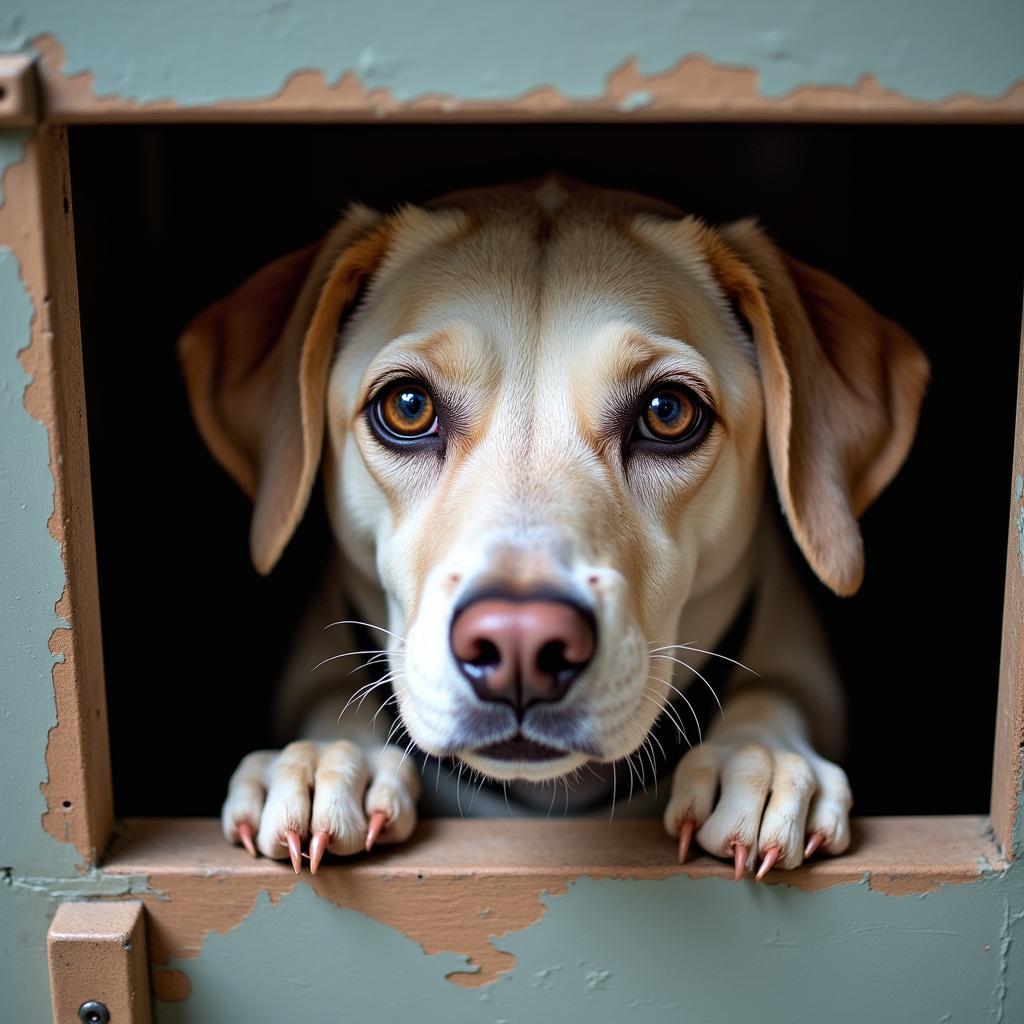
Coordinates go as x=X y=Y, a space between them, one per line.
x=36 y=224
x=694 y=89
x=171 y=986
x=461 y=883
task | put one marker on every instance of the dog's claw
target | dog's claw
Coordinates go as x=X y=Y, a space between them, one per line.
x=813 y=843
x=686 y=831
x=740 y=854
x=769 y=861
x=294 y=849
x=377 y=822
x=245 y=833
x=317 y=845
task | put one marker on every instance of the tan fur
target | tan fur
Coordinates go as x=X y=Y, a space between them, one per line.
x=533 y=310
x=843 y=384
x=243 y=357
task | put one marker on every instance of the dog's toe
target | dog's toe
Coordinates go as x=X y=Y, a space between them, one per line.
x=392 y=796
x=284 y=823
x=784 y=822
x=745 y=779
x=694 y=785
x=341 y=777
x=247 y=792
x=829 y=815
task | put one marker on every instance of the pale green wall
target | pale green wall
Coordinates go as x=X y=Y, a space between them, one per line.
x=642 y=952
x=200 y=51
x=680 y=950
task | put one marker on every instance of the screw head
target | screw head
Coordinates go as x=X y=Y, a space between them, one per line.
x=93 y=1012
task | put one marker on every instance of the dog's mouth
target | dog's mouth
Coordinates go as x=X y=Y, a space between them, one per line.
x=520 y=748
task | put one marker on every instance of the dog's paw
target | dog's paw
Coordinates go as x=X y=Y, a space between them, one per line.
x=748 y=799
x=332 y=795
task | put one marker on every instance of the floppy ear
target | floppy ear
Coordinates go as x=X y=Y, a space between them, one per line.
x=255 y=366
x=843 y=387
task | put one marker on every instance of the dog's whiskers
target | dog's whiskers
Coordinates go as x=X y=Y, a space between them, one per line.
x=554 y=793
x=368 y=625
x=696 y=721
x=346 y=654
x=648 y=747
x=458 y=789
x=393 y=699
x=408 y=750
x=688 y=646
x=393 y=730
x=615 y=793
x=380 y=682
x=363 y=692
x=632 y=773
x=670 y=711
x=679 y=661
x=476 y=793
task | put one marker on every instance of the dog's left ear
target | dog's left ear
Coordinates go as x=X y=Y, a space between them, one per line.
x=256 y=364
x=843 y=387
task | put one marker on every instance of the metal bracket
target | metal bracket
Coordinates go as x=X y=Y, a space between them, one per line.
x=19 y=94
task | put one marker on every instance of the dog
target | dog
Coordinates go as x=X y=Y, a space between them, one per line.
x=562 y=432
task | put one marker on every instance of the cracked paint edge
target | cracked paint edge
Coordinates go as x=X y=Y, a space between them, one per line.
x=34 y=578
x=693 y=88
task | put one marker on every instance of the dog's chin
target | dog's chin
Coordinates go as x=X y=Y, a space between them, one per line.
x=524 y=759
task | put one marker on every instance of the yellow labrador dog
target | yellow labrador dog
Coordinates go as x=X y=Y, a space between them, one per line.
x=555 y=425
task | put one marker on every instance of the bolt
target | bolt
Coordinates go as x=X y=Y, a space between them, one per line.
x=93 y=1012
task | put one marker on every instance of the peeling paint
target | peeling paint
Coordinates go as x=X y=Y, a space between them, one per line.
x=1010 y=920
x=636 y=100
x=1018 y=521
x=92 y=884
x=693 y=87
x=467 y=50
x=636 y=950
x=32 y=580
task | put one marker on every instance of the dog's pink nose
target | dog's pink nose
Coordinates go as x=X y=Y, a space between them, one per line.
x=521 y=652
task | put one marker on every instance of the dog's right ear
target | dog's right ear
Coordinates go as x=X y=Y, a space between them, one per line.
x=842 y=385
x=256 y=364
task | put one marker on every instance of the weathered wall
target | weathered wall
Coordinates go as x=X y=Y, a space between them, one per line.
x=680 y=948
x=197 y=52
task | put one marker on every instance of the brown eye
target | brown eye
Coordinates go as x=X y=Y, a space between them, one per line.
x=407 y=410
x=671 y=414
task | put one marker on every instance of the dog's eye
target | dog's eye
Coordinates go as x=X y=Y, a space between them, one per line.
x=672 y=413
x=407 y=410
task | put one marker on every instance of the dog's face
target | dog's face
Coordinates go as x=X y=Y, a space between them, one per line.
x=546 y=427
x=529 y=353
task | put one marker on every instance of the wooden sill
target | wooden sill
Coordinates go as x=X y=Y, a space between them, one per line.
x=895 y=854
x=459 y=884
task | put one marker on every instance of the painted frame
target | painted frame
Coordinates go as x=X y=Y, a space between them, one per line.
x=507 y=871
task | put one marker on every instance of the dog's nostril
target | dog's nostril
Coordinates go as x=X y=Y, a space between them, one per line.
x=551 y=659
x=487 y=655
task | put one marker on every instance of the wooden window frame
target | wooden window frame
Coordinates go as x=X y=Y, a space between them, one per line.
x=901 y=854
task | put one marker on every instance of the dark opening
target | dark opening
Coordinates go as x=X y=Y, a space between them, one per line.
x=924 y=222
